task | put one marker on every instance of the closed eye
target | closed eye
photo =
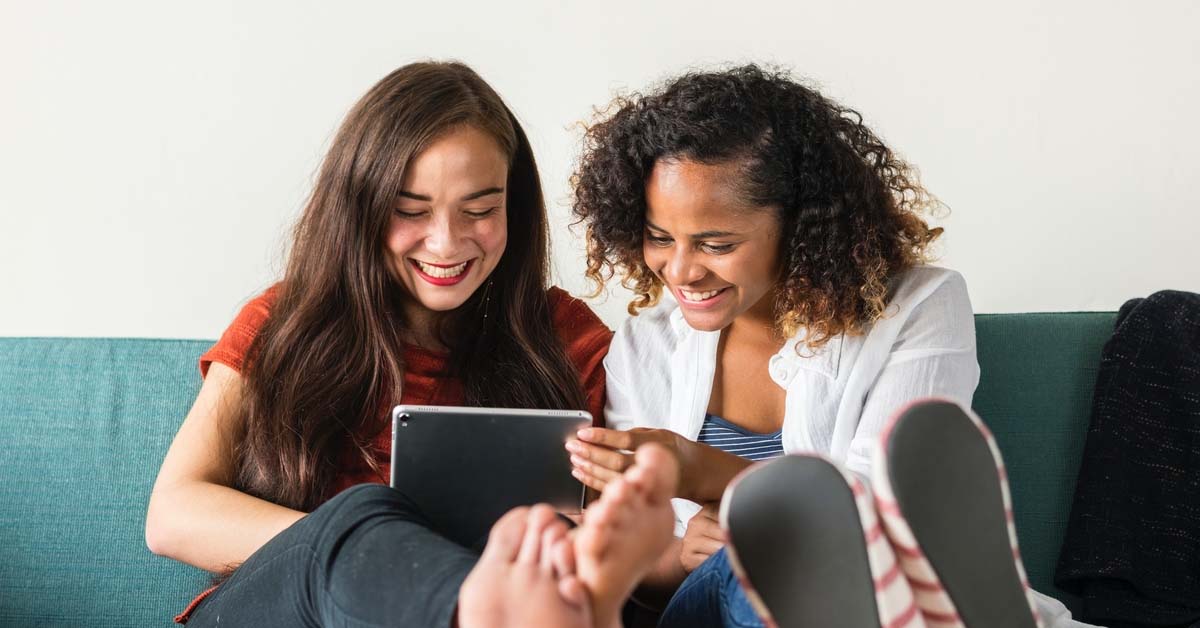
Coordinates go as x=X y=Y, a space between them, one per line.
x=717 y=249
x=657 y=240
x=481 y=213
x=407 y=214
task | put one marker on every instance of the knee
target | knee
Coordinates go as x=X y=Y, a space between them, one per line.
x=364 y=500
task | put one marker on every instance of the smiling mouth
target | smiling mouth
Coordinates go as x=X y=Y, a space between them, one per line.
x=699 y=297
x=438 y=271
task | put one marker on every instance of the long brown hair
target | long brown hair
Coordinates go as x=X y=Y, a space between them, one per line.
x=329 y=360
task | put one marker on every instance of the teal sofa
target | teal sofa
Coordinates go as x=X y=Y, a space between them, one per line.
x=84 y=424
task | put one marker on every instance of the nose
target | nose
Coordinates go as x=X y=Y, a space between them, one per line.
x=442 y=238
x=682 y=268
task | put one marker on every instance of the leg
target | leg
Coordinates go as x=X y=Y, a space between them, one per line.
x=806 y=541
x=365 y=558
x=526 y=577
x=625 y=531
x=710 y=597
x=944 y=500
x=598 y=565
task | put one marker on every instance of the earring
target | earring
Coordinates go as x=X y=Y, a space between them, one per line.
x=487 y=298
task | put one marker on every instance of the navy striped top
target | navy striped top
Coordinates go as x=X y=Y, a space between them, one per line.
x=737 y=440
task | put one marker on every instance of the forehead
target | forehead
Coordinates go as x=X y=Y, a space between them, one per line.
x=463 y=159
x=692 y=197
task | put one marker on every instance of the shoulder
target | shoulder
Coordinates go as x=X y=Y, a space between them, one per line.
x=261 y=305
x=569 y=312
x=931 y=305
x=919 y=283
x=235 y=342
x=581 y=331
x=572 y=317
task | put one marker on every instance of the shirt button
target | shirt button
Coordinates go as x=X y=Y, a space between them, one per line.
x=781 y=373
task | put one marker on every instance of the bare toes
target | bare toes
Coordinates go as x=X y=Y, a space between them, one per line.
x=505 y=538
x=573 y=591
x=551 y=536
x=540 y=517
x=656 y=471
x=563 y=556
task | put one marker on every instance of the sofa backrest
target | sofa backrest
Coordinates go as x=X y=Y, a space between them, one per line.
x=1037 y=375
x=85 y=423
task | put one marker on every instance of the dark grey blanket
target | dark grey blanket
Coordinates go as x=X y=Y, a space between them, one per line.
x=1132 y=550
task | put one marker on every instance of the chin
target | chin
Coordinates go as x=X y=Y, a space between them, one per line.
x=705 y=323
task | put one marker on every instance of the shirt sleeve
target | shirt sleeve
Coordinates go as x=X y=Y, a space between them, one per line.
x=933 y=356
x=234 y=344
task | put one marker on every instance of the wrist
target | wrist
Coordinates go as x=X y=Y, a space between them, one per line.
x=720 y=467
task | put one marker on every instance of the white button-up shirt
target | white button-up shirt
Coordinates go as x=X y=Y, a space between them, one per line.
x=660 y=372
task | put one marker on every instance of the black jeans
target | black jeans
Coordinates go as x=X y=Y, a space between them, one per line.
x=366 y=558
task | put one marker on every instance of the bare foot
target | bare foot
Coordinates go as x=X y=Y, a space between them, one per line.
x=625 y=531
x=525 y=577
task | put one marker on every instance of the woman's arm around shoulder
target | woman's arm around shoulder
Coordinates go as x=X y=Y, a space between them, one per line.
x=194 y=515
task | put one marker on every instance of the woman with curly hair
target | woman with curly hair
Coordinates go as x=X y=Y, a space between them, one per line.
x=803 y=310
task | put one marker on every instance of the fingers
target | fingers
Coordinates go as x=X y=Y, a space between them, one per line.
x=600 y=472
x=710 y=511
x=608 y=458
x=589 y=480
x=613 y=439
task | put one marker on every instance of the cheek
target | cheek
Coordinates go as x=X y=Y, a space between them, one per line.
x=492 y=235
x=762 y=270
x=654 y=257
x=401 y=238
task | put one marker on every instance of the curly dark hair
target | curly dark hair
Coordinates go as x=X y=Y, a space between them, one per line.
x=848 y=206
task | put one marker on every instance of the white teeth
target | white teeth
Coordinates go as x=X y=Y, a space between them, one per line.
x=439 y=272
x=700 y=296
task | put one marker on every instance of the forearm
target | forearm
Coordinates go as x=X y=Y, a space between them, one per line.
x=711 y=475
x=660 y=584
x=211 y=526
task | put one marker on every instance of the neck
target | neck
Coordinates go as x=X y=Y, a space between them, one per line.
x=757 y=324
x=421 y=325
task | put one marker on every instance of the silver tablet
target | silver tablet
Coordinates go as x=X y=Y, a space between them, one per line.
x=465 y=467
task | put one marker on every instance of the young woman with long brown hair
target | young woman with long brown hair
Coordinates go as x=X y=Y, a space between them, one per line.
x=418 y=274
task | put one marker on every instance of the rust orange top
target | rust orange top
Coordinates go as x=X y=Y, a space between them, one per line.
x=584 y=336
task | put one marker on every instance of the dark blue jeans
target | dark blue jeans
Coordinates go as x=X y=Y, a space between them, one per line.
x=710 y=597
x=366 y=558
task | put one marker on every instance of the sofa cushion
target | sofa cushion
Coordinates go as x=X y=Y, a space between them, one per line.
x=85 y=424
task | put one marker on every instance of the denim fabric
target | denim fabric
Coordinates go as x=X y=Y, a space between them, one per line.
x=710 y=597
x=364 y=559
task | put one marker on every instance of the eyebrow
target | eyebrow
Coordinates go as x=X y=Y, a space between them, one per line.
x=703 y=235
x=470 y=197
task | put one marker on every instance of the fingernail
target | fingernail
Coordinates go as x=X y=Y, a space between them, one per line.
x=576 y=460
x=585 y=433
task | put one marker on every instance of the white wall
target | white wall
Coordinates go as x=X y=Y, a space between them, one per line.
x=153 y=155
